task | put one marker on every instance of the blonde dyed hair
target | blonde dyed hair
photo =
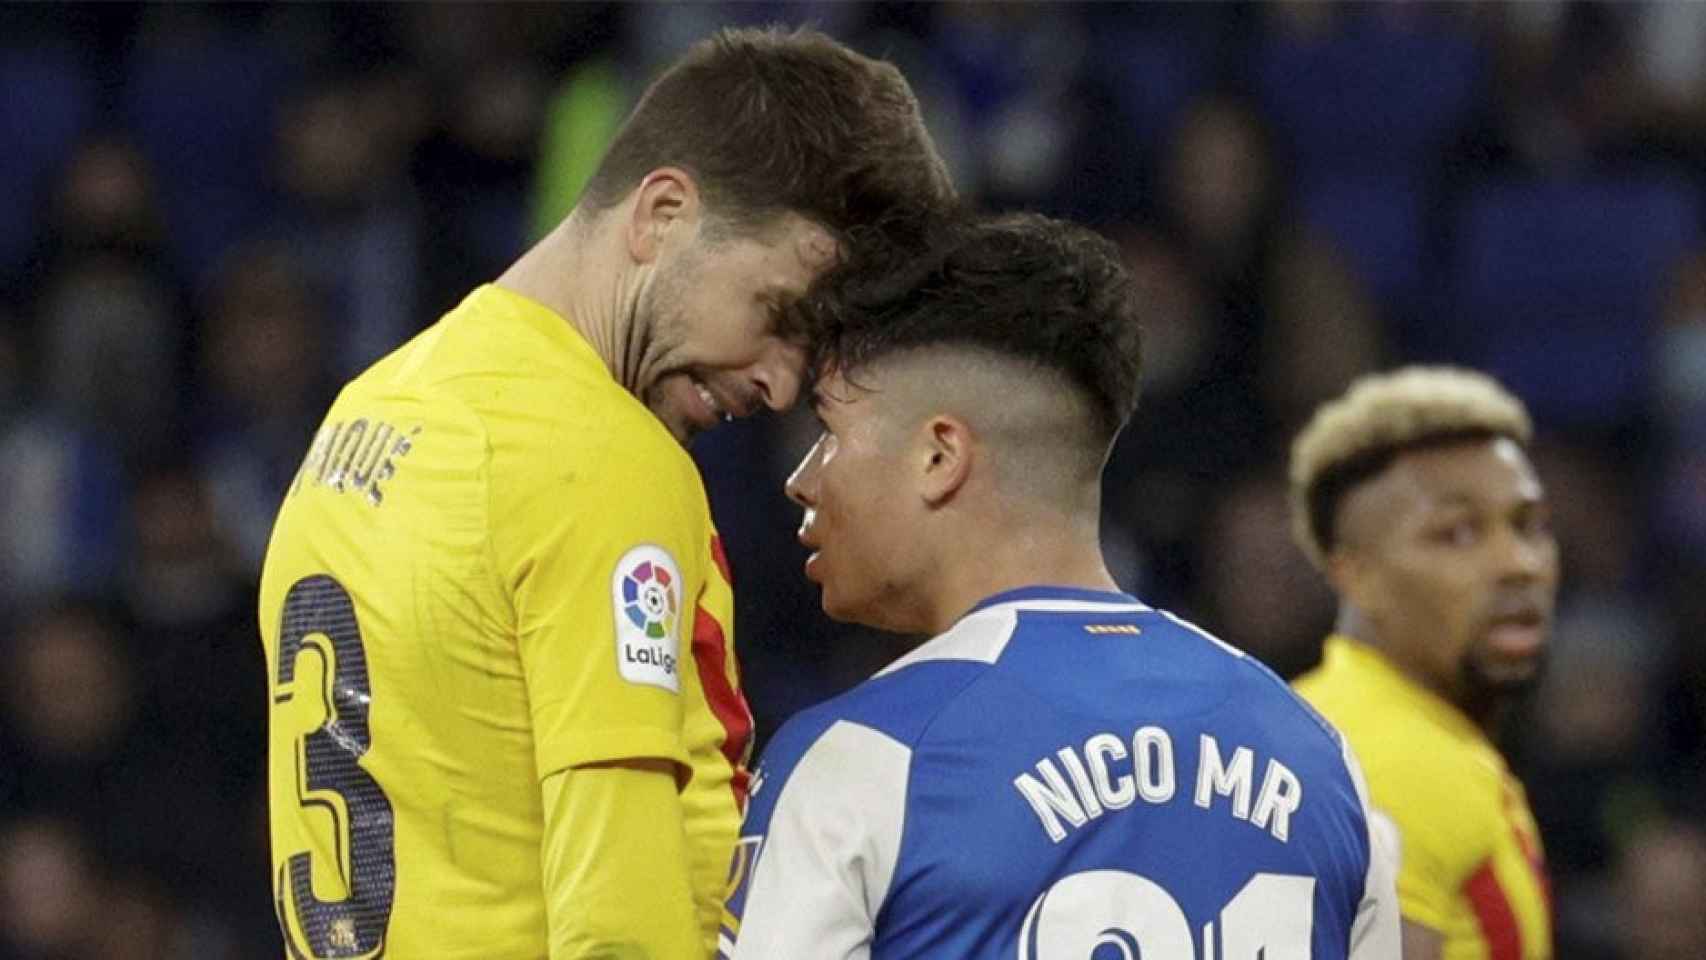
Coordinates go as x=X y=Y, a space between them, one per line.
x=1353 y=437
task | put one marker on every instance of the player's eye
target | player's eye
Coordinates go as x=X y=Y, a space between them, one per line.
x=783 y=320
x=1457 y=533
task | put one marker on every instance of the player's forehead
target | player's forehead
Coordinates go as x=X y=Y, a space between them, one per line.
x=876 y=395
x=835 y=388
x=1479 y=474
x=906 y=385
x=812 y=245
x=784 y=254
x=1487 y=473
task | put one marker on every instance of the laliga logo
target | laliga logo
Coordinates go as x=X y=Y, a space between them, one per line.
x=649 y=602
x=651 y=657
x=646 y=590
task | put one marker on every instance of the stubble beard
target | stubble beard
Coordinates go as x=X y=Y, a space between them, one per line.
x=1486 y=694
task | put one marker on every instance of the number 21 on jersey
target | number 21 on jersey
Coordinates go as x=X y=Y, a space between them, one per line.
x=1130 y=917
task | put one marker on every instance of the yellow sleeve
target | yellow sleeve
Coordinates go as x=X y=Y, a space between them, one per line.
x=615 y=861
x=1440 y=822
x=598 y=543
x=1416 y=776
x=1425 y=891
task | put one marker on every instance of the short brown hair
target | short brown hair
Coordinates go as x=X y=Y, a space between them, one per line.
x=770 y=121
x=1355 y=437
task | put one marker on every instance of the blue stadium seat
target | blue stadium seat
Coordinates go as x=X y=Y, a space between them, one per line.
x=1557 y=287
x=63 y=527
x=1376 y=223
x=47 y=101
x=203 y=112
x=1369 y=98
x=496 y=227
x=1152 y=76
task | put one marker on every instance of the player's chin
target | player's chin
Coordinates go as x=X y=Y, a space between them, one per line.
x=835 y=603
x=859 y=609
x=1509 y=674
x=836 y=612
x=826 y=596
x=667 y=402
x=679 y=425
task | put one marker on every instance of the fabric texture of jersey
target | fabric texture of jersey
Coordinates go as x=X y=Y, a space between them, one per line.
x=1471 y=861
x=1061 y=773
x=494 y=565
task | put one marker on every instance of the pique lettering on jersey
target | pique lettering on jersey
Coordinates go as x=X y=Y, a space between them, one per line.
x=1079 y=784
x=355 y=456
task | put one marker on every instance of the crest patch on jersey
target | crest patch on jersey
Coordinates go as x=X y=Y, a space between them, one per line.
x=646 y=593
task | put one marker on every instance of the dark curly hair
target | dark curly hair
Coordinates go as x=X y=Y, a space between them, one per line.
x=1044 y=292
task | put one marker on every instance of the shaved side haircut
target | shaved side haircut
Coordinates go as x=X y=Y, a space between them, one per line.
x=1023 y=325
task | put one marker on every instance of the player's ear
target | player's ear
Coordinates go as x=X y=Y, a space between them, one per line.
x=1339 y=567
x=944 y=457
x=1351 y=576
x=667 y=198
x=1353 y=561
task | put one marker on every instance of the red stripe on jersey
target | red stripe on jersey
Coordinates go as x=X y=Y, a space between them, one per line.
x=722 y=559
x=1493 y=910
x=1515 y=810
x=711 y=653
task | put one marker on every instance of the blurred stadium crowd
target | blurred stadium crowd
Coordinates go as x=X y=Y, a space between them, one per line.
x=211 y=216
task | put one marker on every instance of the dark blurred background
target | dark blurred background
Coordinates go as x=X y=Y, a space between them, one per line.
x=210 y=216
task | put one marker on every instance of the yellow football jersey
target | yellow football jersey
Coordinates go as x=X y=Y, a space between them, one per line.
x=493 y=565
x=1471 y=865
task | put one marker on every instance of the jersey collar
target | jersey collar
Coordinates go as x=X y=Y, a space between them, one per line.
x=1043 y=593
x=1368 y=660
x=556 y=328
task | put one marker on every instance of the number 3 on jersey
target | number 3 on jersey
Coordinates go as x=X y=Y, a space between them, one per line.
x=319 y=619
x=1131 y=917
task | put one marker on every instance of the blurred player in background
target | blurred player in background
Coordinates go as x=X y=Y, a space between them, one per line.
x=1060 y=770
x=506 y=719
x=1414 y=495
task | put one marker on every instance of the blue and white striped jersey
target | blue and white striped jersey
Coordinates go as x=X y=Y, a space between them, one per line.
x=1064 y=774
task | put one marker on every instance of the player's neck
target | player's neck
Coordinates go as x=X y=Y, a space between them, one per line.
x=1009 y=557
x=1484 y=712
x=571 y=272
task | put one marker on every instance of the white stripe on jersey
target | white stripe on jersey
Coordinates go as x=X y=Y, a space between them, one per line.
x=830 y=854
x=1375 y=933
x=983 y=635
x=1199 y=631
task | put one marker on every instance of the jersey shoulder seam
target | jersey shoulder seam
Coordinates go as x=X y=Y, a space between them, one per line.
x=935 y=713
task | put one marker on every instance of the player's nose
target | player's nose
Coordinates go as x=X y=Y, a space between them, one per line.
x=802 y=483
x=778 y=377
x=1519 y=557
